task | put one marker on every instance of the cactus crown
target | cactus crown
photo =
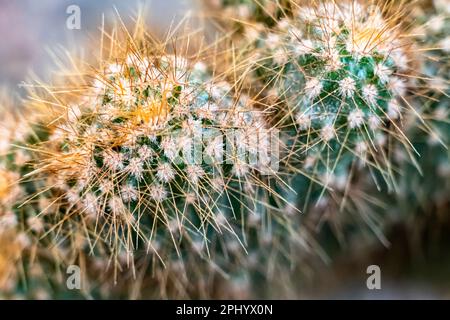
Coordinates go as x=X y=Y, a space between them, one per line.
x=338 y=70
x=141 y=158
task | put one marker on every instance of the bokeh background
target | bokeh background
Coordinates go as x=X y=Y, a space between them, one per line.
x=30 y=29
x=411 y=268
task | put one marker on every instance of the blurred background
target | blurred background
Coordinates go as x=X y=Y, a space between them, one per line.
x=30 y=28
x=416 y=267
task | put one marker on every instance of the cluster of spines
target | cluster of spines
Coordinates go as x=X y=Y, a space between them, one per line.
x=118 y=164
x=22 y=273
x=429 y=133
x=340 y=76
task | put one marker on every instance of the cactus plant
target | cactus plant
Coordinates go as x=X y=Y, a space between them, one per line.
x=340 y=76
x=153 y=171
x=159 y=163
x=426 y=190
x=24 y=261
